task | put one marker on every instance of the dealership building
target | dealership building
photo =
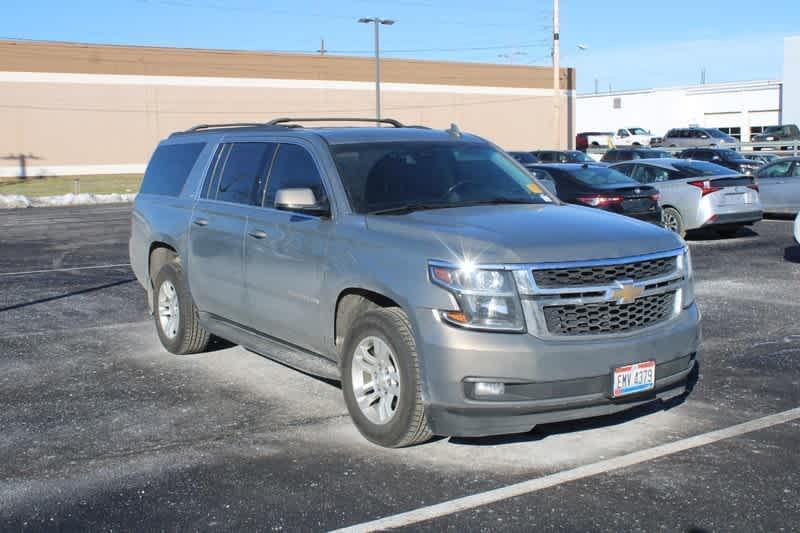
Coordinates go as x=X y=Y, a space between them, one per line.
x=740 y=109
x=88 y=109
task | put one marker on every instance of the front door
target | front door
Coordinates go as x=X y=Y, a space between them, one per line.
x=285 y=254
x=774 y=183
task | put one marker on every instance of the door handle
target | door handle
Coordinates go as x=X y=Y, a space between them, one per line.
x=258 y=234
x=200 y=222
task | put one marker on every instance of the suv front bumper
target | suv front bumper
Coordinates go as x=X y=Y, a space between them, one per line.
x=545 y=380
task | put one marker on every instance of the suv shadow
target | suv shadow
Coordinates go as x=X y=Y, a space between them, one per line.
x=792 y=254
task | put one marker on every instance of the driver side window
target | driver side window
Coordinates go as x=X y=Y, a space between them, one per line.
x=777 y=170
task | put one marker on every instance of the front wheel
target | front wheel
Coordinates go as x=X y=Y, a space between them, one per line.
x=672 y=220
x=381 y=380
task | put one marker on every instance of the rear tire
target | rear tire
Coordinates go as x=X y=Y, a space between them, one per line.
x=175 y=314
x=671 y=219
x=381 y=380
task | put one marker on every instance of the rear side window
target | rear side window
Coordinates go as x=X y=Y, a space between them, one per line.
x=169 y=167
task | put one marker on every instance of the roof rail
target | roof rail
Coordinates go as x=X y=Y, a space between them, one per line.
x=200 y=127
x=284 y=120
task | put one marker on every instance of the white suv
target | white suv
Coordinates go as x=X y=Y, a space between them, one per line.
x=632 y=137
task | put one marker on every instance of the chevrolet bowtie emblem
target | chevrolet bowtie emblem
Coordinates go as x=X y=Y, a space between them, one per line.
x=627 y=294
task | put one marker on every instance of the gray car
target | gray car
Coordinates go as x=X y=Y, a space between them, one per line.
x=699 y=194
x=780 y=185
x=426 y=270
x=691 y=137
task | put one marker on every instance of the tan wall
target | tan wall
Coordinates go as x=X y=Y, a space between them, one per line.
x=116 y=115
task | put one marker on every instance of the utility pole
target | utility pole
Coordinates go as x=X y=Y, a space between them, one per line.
x=377 y=21
x=322 y=51
x=556 y=79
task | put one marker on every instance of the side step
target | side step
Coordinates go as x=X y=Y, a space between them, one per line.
x=292 y=356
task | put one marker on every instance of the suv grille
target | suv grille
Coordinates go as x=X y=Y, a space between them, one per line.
x=593 y=319
x=556 y=278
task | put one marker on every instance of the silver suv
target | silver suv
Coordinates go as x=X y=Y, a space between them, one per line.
x=691 y=137
x=427 y=270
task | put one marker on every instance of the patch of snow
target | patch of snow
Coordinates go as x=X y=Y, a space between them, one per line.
x=10 y=201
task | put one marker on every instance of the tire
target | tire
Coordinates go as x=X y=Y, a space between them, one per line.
x=184 y=335
x=393 y=414
x=672 y=220
x=728 y=231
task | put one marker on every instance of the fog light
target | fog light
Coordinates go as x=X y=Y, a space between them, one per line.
x=483 y=388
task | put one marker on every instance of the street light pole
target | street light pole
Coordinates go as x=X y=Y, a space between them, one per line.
x=377 y=22
x=556 y=78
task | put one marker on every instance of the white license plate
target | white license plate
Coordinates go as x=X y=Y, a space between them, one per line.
x=734 y=198
x=634 y=378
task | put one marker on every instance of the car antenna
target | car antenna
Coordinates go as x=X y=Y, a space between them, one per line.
x=453 y=131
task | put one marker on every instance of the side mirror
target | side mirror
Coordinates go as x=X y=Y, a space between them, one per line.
x=300 y=199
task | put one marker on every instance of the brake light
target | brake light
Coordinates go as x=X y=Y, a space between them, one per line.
x=599 y=200
x=706 y=186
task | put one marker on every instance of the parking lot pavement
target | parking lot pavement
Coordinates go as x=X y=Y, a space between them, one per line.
x=102 y=429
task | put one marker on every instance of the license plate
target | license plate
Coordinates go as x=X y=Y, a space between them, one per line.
x=634 y=378
x=734 y=198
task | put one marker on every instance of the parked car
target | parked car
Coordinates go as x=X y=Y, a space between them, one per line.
x=524 y=158
x=723 y=157
x=779 y=183
x=604 y=188
x=698 y=194
x=690 y=137
x=593 y=139
x=562 y=156
x=424 y=269
x=632 y=137
x=786 y=132
x=797 y=228
x=627 y=154
x=762 y=158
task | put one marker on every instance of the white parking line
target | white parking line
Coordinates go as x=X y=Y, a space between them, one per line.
x=93 y=267
x=526 y=487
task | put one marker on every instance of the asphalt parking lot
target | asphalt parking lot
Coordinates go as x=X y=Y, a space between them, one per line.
x=101 y=429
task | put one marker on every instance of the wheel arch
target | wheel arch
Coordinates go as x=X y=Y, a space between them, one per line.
x=352 y=302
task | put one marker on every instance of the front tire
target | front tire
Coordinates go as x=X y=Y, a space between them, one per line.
x=175 y=314
x=381 y=379
x=671 y=219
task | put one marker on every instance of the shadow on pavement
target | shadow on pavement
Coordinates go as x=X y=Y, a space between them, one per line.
x=709 y=234
x=792 y=254
x=66 y=295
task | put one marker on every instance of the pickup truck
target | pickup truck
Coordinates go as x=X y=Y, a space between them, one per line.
x=632 y=137
x=425 y=270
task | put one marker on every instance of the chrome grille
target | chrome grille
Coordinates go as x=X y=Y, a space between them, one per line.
x=609 y=317
x=556 y=278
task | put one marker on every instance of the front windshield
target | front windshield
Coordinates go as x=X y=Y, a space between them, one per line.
x=729 y=155
x=716 y=133
x=393 y=175
x=577 y=156
x=597 y=175
x=695 y=169
x=638 y=131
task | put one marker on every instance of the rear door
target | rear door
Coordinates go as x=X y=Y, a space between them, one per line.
x=774 y=182
x=285 y=254
x=216 y=250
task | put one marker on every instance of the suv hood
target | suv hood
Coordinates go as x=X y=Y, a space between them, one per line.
x=526 y=233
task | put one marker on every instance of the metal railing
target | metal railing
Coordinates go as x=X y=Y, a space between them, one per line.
x=780 y=148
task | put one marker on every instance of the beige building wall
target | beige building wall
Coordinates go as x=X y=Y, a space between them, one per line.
x=101 y=109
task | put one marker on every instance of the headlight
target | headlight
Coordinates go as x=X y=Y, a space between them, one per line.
x=487 y=299
x=687 y=291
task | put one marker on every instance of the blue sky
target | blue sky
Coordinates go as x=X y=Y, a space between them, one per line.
x=630 y=44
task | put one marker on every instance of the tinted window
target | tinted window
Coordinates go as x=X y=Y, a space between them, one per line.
x=610 y=156
x=378 y=176
x=596 y=175
x=626 y=169
x=524 y=157
x=717 y=134
x=693 y=169
x=703 y=155
x=169 y=167
x=244 y=172
x=576 y=156
x=650 y=174
x=777 y=170
x=294 y=168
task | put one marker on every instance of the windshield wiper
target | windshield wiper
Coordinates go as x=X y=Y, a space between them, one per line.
x=410 y=208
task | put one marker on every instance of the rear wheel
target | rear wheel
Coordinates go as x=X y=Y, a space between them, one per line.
x=381 y=382
x=175 y=314
x=672 y=220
